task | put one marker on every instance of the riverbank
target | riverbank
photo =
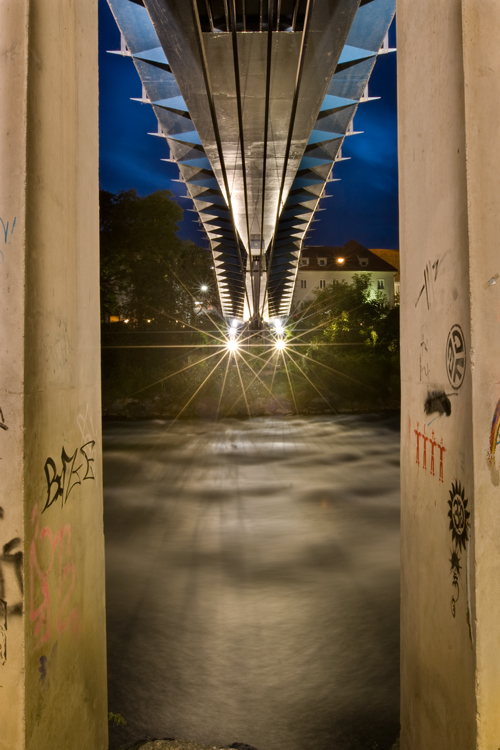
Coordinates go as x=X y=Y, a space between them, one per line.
x=187 y=745
x=160 y=407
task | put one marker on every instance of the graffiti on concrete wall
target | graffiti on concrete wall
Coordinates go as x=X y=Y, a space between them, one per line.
x=459 y=526
x=52 y=582
x=47 y=664
x=431 y=271
x=3 y=632
x=427 y=450
x=437 y=402
x=455 y=357
x=6 y=225
x=423 y=358
x=71 y=471
x=11 y=587
x=88 y=433
x=5 y=232
x=494 y=441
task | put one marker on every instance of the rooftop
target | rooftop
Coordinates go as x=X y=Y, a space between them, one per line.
x=351 y=257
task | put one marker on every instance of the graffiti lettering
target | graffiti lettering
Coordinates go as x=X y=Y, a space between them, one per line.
x=11 y=558
x=430 y=275
x=11 y=587
x=455 y=357
x=5 y=227
x=52 y=584
x=75 y=469
x=3 y=426
x=433 y=445
x=88 y=432
x=424 y=358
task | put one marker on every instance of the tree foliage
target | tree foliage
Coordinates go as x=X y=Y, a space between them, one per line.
x=351 y=314
x=353 y=337
x=147 y=272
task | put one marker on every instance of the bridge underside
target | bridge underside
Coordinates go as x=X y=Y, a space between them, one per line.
x=52 y=613
x=255 y=100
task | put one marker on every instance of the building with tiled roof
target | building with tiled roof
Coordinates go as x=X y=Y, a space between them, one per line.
x=319 y=266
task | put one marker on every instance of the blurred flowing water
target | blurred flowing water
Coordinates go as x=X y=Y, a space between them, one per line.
x=253 y=581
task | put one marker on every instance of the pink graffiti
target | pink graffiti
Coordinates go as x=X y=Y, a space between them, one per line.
x=55 y=583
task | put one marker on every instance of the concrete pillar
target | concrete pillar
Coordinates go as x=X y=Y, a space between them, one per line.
x=449 y=122
x=52 y=626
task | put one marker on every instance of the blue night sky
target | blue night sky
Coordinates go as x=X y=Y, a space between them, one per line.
x=364 y=205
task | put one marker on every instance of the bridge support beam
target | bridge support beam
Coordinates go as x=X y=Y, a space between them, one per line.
x=449 y=114
x=52 y=626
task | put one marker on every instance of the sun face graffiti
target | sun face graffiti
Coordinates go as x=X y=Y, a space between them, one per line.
x=458 y=515
x=459 y=527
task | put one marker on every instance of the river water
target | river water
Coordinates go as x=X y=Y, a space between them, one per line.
x=253 y=581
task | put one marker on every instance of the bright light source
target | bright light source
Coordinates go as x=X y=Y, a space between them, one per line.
x=340 y=261
x=278 y=327
x=149 y=320
x=232 y=345
x=127 y=320
x=204 y=288
x=280 y=344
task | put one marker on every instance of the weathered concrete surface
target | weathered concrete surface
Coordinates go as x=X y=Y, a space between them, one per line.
x=449 y=192
x=481 y=32
x=13 y=82
x=54 y=676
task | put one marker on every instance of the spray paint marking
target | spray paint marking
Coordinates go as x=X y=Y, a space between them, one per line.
x=6 y=228
x=55 y=582
x=495 y=429
x=433 y=443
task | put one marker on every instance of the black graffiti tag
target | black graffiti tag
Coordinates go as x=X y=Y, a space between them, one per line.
x=455 y=357
x=11 y=601
x=75 y=470
x=459 y=526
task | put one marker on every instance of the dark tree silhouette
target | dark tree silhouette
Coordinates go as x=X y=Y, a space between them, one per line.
x=147 y=272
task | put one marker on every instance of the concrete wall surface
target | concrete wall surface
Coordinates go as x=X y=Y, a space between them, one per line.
x=53 y=671
x=481 y=32
x=13 y=87
x=448 y=73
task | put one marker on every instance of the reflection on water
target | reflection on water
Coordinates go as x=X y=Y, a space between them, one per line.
x=253 y=581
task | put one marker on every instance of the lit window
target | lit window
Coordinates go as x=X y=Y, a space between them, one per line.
x=114 y=318
x=321 y=261
x=303 y=284
x=322 y=283
x=380 y=283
